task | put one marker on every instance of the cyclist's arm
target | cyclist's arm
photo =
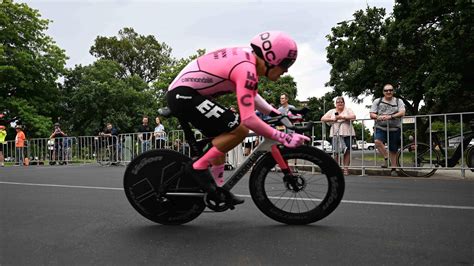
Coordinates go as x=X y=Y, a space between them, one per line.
x=245 y=78
x=263 y=106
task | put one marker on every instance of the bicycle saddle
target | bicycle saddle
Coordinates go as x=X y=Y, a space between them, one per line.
x=165 y=112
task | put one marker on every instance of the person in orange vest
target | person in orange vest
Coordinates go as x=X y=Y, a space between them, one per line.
x=3 y=134
x=20 y=144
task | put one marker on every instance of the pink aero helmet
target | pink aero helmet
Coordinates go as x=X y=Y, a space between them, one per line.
x=276 y=48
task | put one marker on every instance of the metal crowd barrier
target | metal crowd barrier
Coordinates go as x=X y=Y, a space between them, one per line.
x=414 y=132
x=123 y=148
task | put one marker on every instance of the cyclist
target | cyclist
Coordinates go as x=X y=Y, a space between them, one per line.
x=231 y=70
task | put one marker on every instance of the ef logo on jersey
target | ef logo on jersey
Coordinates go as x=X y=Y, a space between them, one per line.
x=251 y=82
x=209 y=109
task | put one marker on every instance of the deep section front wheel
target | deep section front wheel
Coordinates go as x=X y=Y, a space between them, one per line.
x=157 y=188
x=313 y=190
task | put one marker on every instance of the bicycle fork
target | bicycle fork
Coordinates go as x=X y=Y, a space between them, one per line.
x=292 y=182
x=276 y=154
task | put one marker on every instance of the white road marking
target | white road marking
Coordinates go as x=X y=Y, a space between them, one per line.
x=248 y=196
x=65 y=186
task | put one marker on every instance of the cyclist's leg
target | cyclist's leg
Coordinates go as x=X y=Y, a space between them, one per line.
x=224 y=143
x=212 y=120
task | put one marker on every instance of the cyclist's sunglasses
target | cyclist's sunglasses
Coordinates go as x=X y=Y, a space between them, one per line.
x=287 y=63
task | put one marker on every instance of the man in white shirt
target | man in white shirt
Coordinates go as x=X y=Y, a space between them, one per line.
x=387 y=112
x=284 y=107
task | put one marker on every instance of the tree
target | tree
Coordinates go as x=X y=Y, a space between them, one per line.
x=435 y=41
x=318 y=107
x=97 y=94
x=272 y=90
x=30 y=65
x=358 y=130
x=424 y=49
x=138 y=55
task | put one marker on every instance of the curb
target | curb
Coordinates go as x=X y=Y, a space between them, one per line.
x=439 y=174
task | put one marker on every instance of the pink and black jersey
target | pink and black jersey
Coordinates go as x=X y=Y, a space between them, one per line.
x=216 y=73
x=228 y=70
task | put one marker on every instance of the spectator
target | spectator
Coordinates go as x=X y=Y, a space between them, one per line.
x=159 y=134
x=20 y=145
x=285 y=107
x=145 y=136
x=181 y=146
x=58 y=137
x=341 y=131
x=250 y=142
x=110 y=135
x=262 y=115
x=387 y=111
x=285 y=110
x=3 y=134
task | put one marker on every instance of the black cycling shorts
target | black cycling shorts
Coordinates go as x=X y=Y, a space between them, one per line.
x=211 y=118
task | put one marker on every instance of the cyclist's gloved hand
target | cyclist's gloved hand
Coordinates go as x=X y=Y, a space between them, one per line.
x=291 y=140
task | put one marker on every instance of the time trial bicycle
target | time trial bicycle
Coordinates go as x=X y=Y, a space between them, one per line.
x=290 y=185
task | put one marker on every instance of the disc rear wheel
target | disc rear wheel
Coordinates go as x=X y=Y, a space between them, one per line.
x=157 y=188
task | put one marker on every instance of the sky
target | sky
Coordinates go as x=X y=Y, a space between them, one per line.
x=190 y=25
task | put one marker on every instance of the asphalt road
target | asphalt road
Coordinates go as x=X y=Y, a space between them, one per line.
x=78 y=215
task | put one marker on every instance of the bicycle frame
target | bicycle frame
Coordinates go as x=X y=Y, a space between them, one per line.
x=268 y=145
x=461 y=147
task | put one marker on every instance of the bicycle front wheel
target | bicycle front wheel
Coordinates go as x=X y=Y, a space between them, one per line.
x=418 y=160
x=313 y=190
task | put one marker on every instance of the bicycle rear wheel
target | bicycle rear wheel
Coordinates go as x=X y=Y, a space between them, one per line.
x=156 y=187
x=418 y=160
x=470 y=158
x=312 y=192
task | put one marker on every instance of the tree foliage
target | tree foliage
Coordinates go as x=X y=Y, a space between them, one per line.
x=97 y=94
x=30 y=65
x=272 y=90
x=138 y=55
x=319 y=106
x=358 y=130
x=424 y=49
